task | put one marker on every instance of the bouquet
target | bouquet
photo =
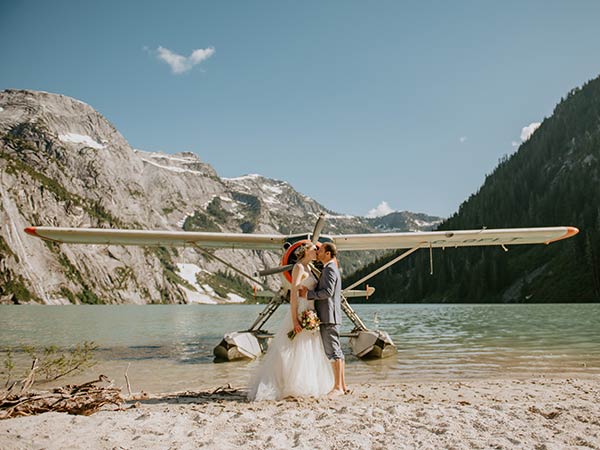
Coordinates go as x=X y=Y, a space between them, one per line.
x=308 y=321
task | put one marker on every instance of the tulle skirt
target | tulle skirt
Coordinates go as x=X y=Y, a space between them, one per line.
x=292 y=367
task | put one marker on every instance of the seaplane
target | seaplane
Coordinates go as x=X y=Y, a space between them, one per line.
x=252 y=342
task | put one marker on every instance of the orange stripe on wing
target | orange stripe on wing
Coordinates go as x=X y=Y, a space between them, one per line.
x=571 y=231
x=32 y=231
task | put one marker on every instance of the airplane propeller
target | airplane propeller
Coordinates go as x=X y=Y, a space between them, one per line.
x=274 y=270
x=315 y=237
x=318 y=228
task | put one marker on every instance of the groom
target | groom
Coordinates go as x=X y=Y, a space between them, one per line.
x=327 y=296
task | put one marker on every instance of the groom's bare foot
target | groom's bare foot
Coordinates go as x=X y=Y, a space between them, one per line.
x=335 y=393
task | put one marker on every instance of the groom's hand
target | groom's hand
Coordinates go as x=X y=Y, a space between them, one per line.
x=302 y=291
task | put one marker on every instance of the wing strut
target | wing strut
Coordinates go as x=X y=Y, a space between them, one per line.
x=430 y=259
x=358 y=323
x=266 y=314
x=235 y=269
x=385 y=266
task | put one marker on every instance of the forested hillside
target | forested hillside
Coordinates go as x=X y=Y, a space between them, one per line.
x=553 y=179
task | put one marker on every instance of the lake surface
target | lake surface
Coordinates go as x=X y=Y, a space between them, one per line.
x=169 y=347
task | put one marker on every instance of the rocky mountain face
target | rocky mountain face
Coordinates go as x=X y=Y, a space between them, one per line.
x=63 y=164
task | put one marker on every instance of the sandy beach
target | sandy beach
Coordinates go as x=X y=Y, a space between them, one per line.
x=535 y=413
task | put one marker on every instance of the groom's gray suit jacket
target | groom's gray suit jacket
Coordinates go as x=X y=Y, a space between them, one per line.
x=328 y=295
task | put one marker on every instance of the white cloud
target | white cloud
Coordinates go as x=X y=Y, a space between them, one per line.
x=527 y=131
x=515 y=143
x=382 y=209
x=463 y=139
x=180 y=64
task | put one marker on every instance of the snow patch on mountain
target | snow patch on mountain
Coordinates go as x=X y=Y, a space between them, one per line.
x=425 y=224
x=74 y=138
x=339 y=216
x=209 y=289
x=274 y=189
x=157 y=155
x=182 y=221
x=200 y=294
x=198 y=297
x=172 y=169
x=234 y=298
x=188 y=272
x=250 y=176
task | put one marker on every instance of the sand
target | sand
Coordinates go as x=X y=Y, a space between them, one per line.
x=533 y=413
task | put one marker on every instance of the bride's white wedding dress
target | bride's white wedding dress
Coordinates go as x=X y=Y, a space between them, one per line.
x=293 y=367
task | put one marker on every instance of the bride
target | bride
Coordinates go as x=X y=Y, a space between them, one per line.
x=295 y=367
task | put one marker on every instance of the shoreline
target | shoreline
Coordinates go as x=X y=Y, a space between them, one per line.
x=543 y=411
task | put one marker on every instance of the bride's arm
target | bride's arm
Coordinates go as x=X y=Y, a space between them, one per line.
x=296 y=280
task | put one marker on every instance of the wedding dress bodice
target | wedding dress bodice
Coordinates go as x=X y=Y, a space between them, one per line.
x=309 y=283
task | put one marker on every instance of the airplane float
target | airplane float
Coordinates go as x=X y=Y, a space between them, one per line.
x=250 y=343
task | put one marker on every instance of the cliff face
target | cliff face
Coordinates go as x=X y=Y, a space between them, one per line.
x=64 y=164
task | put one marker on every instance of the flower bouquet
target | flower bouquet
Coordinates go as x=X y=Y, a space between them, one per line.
x=308 y=321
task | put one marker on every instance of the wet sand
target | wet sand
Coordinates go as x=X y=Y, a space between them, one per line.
x=536 y=412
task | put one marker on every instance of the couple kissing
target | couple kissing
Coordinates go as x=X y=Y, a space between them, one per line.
x=309 y=363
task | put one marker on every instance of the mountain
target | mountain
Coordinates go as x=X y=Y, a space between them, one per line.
x=63 y=164
x=553 y=179
x=405 y=221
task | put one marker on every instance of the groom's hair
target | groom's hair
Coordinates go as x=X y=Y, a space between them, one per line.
x=330 y=247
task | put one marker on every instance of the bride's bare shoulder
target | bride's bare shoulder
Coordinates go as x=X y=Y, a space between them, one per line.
x=299 y=270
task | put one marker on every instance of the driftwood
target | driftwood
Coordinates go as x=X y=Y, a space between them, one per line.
x=127 y=380
x=83 y=399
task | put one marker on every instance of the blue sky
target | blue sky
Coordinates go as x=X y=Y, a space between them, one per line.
x=352 y=102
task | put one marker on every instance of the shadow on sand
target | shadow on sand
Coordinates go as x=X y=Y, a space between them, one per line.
x=219 y=395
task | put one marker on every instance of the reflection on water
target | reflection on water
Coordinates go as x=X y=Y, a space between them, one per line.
x=169 y=347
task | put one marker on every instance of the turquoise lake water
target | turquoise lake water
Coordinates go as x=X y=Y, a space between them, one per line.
x=169 y=347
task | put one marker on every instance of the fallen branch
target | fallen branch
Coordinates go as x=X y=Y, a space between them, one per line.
x=127 y=381
x=229 y=390
x=83 y=399
x=27 y=382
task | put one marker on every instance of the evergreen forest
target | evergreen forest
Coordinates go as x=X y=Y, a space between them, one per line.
x=552 y=180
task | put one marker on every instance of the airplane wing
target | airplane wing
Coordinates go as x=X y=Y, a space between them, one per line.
x=158 y=238
x=372 y=241
x=461 y=238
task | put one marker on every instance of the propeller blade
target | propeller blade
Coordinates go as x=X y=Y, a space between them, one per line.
x=274 y=270
x=318 y=228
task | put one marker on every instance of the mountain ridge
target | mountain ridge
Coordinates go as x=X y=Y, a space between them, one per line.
x=63 y=164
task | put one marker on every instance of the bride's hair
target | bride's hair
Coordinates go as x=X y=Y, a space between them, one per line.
x=300 y=252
